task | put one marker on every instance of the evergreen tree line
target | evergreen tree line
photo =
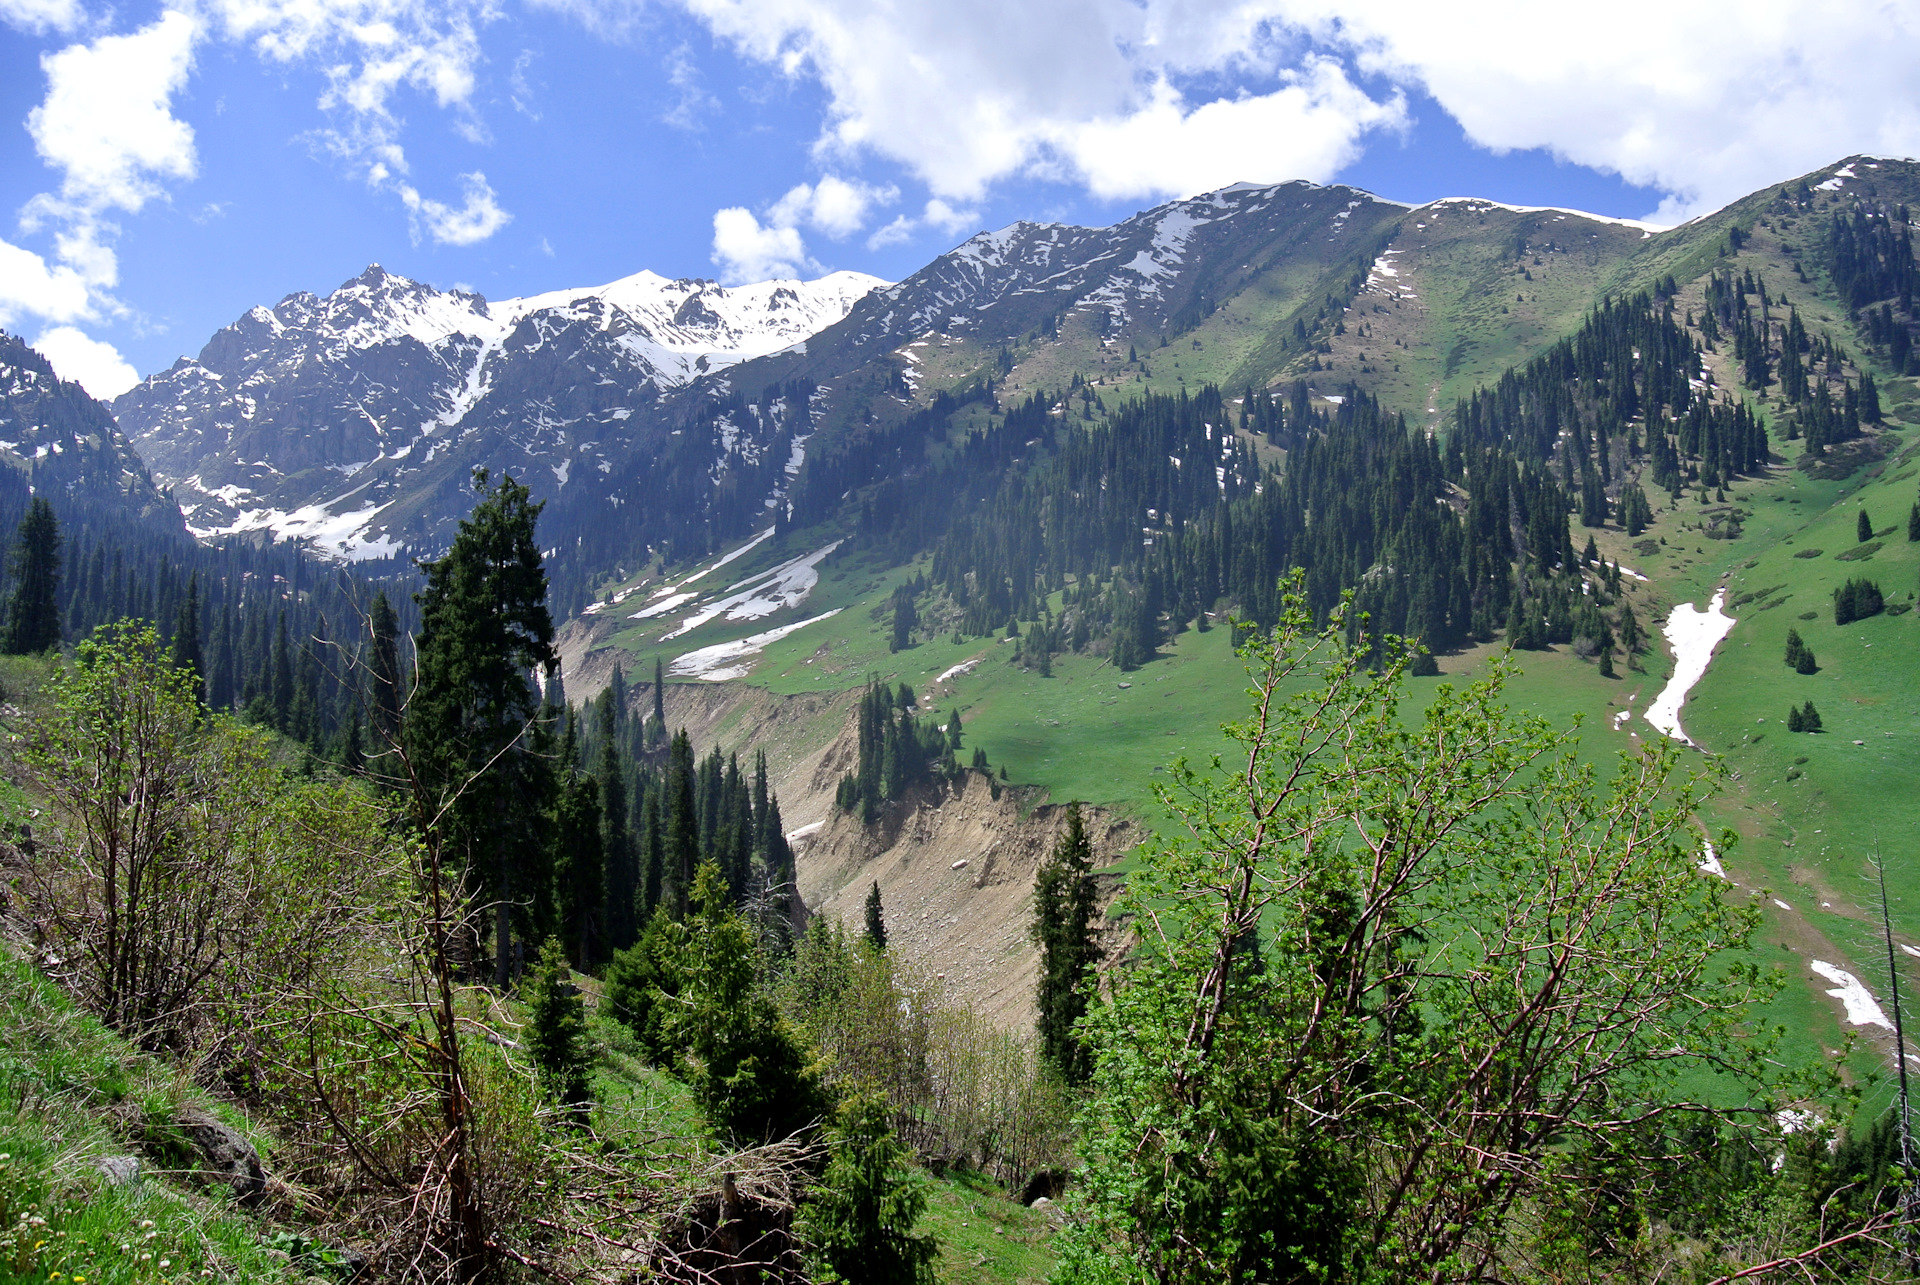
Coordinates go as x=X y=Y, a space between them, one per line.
x=270 y=632
x=1870 y=259
x=896 y=751
x=694 y=504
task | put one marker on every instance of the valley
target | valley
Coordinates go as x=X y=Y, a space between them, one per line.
x=824 y=626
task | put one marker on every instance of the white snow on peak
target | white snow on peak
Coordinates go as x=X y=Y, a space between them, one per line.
x=685 y=320
x=1481 y=202
x=680 y=327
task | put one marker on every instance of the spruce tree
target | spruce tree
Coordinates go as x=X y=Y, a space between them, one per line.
x=1795 y=647
x=1809 y=718
x=1065 y=900
x=1863 y=529
x=579 y=860
x=33 y=610
x=657 y=725
x=681 y=856
x=185 y=651
x=1913 y=523
x=876 y=919
x=470 y=727
x=859 y=1222
x=384 y=683
x=621 y=863
x=557 y=1032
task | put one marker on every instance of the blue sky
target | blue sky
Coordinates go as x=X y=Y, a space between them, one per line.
x=167 y=165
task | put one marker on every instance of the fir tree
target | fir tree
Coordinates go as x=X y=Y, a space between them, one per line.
x=557 y=1032
x=1913 y=523
x=470 y=723
x=1065 y=900
x=185 y=651
x=682 y=850
x=1796 y=648
x=1863 y=529
x=383 y=678
x=621 y=867
x=33 y=610
x=876 y=935
x=859 y=1222
x=657 y=725
x=1809 y=718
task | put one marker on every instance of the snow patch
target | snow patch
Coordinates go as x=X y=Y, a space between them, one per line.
x=1862 y=1008
x=787 y=585
x=1476 y=202
x=716 y=664
x=1710 y=863
x=1693 y=634
x=966 y=667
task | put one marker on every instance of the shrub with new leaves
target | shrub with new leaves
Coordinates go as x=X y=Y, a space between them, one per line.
x=187 y=884
x=1399 y=965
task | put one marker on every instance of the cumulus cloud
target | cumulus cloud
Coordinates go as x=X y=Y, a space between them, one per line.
x=473 y=222
x=1789 y=85
x=833 y=206
x=1082 y=90
x=1151 y=98
x=30 y=287
x=95 y=365
x=746 y=250
x=107 y=125
x=37 y=17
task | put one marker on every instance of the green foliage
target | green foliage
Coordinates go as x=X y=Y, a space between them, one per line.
x=896 y=752
x=33 y=611
x=643 y=985
x=876 y=932
x=1065 y=903
x=751 y=1071
x=470 y=720
x=1803 y=718
x=1392 y=969
x=191 y=885
x=1857 y=599
x=858 y=1224
x=1798 y=657
x=557 y=1030
x=1863 y=528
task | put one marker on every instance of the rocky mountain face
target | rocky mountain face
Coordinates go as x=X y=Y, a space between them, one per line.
x=672 y=417
x=57 y=441
x=355 y=419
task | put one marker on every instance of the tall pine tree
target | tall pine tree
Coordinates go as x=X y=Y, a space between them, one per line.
x=471 y=722
x=1065 y=901
x=33 y=611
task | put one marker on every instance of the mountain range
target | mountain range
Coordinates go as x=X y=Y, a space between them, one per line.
x=667 y=418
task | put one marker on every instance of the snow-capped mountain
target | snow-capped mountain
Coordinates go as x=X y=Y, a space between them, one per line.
x=313 y=417
x=57 y=441
x=1143 y=272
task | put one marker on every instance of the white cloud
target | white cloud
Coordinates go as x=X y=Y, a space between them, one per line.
x=1788 y=85
x=30 y=288
x=833 y=206
x=1312 y=126
x=1083 y=90
x=474 y=222
x=107 y=124
x=1168 y=97
x=95 y=365
x=745 y=250
x=36 y=17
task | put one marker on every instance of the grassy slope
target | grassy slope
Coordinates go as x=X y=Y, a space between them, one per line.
x=70 y=1092
x=1080 y=735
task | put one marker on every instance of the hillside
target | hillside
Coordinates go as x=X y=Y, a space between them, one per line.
x=1428 y=323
